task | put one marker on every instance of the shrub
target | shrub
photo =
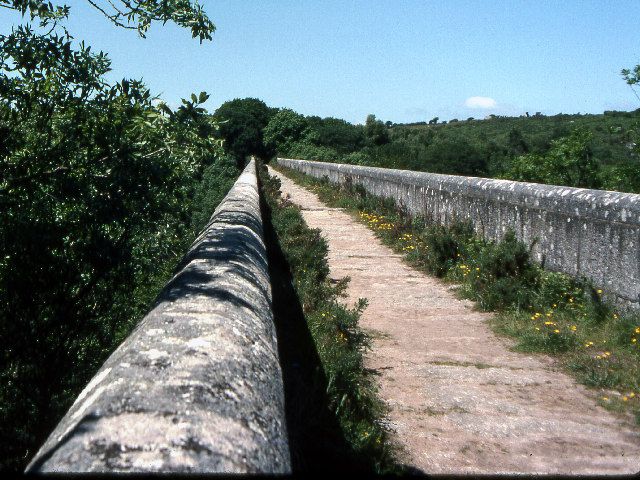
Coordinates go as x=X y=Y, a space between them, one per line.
x=217 y=179
x=336 y=387
x=446 y=245
x=506 y=275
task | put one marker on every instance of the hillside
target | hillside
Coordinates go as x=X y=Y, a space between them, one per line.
x=613 y=132
x=590 y=151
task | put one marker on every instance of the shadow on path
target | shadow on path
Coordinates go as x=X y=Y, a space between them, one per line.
x=315 y=437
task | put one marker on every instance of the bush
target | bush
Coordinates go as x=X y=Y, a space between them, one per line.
x=357 y=158
x=446 y=246
x=308 y=151
x=506 y=276
x=569 y=162
x=95 y=198
x=217 y=180
x=326 y=381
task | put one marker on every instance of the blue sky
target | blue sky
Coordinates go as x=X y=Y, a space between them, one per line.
x=401 y=60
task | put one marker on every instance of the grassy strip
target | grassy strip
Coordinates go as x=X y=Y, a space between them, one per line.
x=333 y=413
x=546 y=312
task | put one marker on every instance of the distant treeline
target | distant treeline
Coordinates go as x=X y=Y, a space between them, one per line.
x=592 y=151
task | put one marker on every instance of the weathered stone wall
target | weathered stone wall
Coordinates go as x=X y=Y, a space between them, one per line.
x=591 y=233
x=197 y=387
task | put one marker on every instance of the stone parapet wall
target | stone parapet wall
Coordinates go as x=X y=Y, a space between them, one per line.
x=197 y=387
x=582 y=232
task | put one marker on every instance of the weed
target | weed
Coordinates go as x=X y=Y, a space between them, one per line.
x=334 y=415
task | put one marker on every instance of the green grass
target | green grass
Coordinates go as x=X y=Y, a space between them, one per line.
x=546 y=312
x=334 y=415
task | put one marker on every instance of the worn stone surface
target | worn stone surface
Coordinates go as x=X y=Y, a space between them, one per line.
x=197 y=387
x=593 y=233
x=460 y=400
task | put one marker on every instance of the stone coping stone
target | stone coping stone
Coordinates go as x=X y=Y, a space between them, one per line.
x=197 y=386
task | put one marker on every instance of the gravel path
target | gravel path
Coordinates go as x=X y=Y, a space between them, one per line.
x=460 y=400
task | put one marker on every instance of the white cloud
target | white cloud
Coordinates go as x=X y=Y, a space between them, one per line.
x=480 y=102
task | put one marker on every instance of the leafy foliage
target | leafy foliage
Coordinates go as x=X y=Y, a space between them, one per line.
x=504 y=275
x=593 y=151
x=131 y=14
x=334 y=415
x=375 y=131
x=568 y=162
x=338 y=134
x=632 y=77
x=95 y=208
x=217 y=180
x=312 y=152
x=242 y=123
x=285 y=129
x=446 y=246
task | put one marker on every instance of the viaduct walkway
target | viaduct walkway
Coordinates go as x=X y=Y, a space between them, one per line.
x=460 y=400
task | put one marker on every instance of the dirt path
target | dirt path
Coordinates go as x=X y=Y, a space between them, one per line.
x=461 y=401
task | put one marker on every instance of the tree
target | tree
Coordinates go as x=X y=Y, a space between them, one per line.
x=375 y=131
x=632 y=77
x=242 y=121
x=95 y=197
x=130 y=14
x=626 y=177
x=284 y=130
x=336 y=133
x=568 y=162
x=516 y=142
x=455 y=156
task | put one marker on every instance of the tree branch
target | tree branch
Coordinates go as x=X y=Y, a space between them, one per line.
x=113 y=18
x=26 y=178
